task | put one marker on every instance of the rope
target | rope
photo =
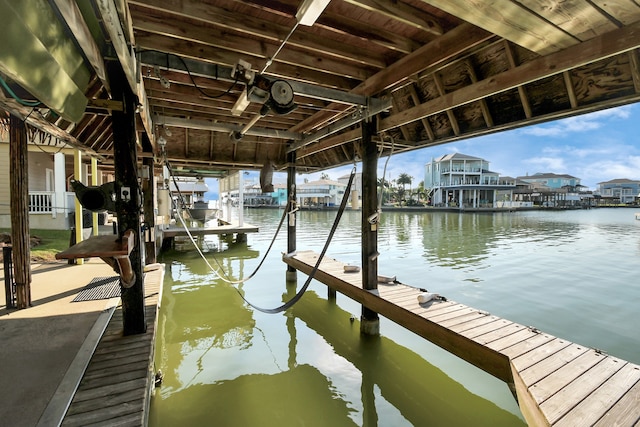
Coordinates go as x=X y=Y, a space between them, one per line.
x=302 y=290
x=298 y=295
x=224 y=276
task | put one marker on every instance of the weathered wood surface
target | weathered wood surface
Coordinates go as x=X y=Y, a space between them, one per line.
x=116 y=387
x=555 y=381
x=99 y=246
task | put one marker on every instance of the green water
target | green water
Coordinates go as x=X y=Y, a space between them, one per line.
x=572 y=274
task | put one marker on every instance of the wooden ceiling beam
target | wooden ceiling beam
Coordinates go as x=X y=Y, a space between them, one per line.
x=455 y=127
x=510 y=20
x=265 y=29
x=425 y=122
x=451 y=44
x=253 y=51
x=401 y=12
x=522 y=93
x=610 y=44
x=204 y=52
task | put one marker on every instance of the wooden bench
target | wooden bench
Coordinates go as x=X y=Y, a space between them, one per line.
x=111 y=249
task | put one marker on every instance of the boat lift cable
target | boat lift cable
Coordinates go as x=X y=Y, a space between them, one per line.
x=302 y=290
x=224 y=277
x=384 y=172
x=175 y=182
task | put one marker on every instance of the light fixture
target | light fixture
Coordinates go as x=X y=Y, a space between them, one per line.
x=310 y=10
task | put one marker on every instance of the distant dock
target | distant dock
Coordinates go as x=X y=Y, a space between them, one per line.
x=555 y=382
x=222 y=229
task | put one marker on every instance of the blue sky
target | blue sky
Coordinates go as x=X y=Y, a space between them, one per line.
x=594 y=147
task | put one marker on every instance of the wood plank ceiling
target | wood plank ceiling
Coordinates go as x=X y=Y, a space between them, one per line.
x=436 y=70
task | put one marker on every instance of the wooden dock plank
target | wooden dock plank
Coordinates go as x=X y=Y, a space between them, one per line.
x=486 y=328
x=563 y=401
x=545 y=367
x=115 y=389
x=539 y=353
x=626 y=411
x=472 y=324
x=556 y=382
x=523 y=334
x=608 y=404
x=205 y=231
x=428 y=311
x=497 y=334
x=474 y=315
x=524 y=347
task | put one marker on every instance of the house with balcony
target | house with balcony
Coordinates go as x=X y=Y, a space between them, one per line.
x=462 y=181
x=320 y=193
x=51 y=168
x=621 y=190
x=552 y=181
x=557 y=190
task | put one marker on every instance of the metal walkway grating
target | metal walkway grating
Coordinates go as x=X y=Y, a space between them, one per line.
x=100 y=288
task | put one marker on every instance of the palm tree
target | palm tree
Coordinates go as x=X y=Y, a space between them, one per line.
x=404 y=179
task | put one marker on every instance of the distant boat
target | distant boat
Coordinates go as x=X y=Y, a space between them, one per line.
x=202 y=212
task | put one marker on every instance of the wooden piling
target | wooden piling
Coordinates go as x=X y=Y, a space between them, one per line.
x=370 y=322
x=19 y=201
x=128 y=203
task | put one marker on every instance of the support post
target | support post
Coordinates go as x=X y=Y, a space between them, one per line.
x=59 y=185
x=19 y=202
x=149 y=195
x=128 y=203
x=240 y=198
x=290 y=207
x=94 y=182
x=77 y=174
x=369 y=320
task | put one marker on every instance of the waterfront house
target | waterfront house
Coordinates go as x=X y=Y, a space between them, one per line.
x=50 y=169
x=191 y=189
x=355 y=190
x=463 y=181
x=320 y=193
x=557 y=190
x=552 y=181
x=620 y=190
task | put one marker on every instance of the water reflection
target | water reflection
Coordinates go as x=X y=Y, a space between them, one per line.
x=227 y=365
x=570 y=274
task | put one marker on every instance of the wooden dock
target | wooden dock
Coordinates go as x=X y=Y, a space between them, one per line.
x=555 y=382
x=117 y=384
x=224 y=228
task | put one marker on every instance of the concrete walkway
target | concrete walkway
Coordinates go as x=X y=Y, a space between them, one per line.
x=39 y=344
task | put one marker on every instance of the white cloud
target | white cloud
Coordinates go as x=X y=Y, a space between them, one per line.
x=579 y=124
x=547 y=164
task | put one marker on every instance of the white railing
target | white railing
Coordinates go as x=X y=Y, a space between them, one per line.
x=41 y=201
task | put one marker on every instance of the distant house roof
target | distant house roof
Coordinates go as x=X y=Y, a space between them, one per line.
x=189 y=186
x=546 y=175
x=321 y=182
x=457 y=156
x=620 y=181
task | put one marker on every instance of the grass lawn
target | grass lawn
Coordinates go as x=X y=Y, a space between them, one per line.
x=50 y=243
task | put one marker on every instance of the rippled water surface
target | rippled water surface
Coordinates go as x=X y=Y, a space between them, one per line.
x=572 y=274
